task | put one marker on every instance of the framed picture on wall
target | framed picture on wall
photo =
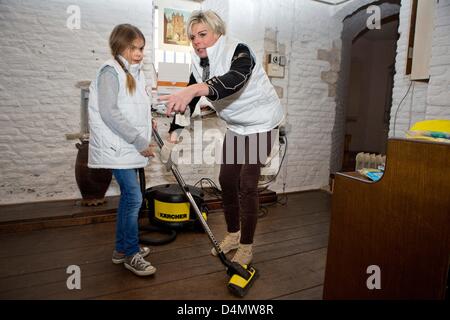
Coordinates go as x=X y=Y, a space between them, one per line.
x=173 y=28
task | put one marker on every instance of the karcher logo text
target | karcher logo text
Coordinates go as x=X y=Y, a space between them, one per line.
x=173 y=216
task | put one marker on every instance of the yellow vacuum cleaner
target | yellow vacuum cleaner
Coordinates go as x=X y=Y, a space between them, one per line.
x=168 y=212
x=241 y=276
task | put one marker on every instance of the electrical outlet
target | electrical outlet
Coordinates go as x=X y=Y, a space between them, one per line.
x=275 y=58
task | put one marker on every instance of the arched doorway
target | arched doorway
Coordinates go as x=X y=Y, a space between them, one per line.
x=368 y=67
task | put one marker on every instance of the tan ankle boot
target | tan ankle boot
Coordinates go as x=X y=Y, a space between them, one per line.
x=230 y=242
x=244 y=254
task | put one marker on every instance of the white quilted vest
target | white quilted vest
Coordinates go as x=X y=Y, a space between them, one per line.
x=256 y=107
x=107 y=149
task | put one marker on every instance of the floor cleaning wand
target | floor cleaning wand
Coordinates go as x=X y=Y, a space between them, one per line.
x=241 y=276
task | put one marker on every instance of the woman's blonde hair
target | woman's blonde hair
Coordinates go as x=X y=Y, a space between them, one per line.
x=120 y=39
x=208 y=17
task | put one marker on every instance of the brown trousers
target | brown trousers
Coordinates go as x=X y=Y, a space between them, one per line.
x=242 y=159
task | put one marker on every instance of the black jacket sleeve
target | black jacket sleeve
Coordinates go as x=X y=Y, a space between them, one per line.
x=241 y=68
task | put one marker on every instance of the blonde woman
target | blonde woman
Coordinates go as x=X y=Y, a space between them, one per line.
x=228 y=74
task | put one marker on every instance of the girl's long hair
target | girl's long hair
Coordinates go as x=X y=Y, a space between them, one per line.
x=120 y=39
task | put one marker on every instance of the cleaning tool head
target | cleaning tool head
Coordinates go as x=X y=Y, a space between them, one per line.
x=242 y=278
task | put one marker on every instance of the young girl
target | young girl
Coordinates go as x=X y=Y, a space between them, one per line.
x=120 y=133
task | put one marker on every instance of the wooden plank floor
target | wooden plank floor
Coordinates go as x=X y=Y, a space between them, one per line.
x=289 y=252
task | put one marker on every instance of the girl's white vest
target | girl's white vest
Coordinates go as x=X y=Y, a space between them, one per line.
x=256 y=107
x=107 y=149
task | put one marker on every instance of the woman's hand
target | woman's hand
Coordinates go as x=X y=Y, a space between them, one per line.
x=154 y=124
x=178 y=101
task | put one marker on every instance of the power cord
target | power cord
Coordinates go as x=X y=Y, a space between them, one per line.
x=263 y=211
x=279 y=168
x=212 y=186
x=398 y=108
x=283 y=199
x=264 y=208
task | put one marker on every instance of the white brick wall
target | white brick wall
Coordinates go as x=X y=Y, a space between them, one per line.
x=311 y=111
x=425 y=100
x=42 y=60
x=303 y=28
x=438 y=99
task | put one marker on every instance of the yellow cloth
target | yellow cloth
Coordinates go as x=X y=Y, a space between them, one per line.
x=432 y=125
x=432 y=130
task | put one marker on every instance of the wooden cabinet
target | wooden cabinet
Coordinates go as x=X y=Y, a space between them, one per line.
x=400 y=224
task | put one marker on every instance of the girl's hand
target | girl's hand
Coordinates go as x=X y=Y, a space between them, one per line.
x=148 y=152
x=154 y=124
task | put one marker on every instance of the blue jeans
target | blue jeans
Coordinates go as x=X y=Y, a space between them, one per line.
x=127 y=233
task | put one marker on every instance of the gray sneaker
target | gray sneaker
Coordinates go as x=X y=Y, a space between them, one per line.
x=118 y=257
x=139 y=265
